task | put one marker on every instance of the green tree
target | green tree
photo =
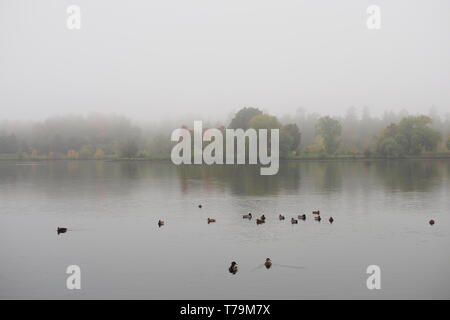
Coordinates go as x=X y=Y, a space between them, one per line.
x=242 y=118
x=410 y=137
x=86 y=152
x=290 y=138
x=129 y=149
x=264 y=121
x=330 y=130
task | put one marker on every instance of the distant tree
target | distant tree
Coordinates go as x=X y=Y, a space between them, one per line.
x=448 y=143
x=410 y=137
x=99 y=154
x=242 y=118
x=34 y=154
x=129 y=149
x=330 y=130
x=264 y=121
x=289 y=139
x=86 y=152
x=72 y=154
x=8 y=144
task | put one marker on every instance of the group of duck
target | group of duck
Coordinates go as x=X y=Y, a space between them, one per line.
x=259 y=221
x=234 y=266
x=262 y=219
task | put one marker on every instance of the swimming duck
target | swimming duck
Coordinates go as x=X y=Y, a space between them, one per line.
x=293 y=221
x=247 y=216
x=281 y=217
x=160 y=223
x=61 y=230
x=432 y=222
x=331 y=220
x=318 y=218
x=259 y=221
x=233 y=268
x=211 y=220
x=268 y=263
x=302 y=217
x=200 y=206
x=316 y=212
x=263 y=218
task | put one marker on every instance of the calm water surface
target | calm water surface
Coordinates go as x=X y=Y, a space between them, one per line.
x=381 y=212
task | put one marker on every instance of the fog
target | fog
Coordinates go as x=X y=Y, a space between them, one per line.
x=154 y=60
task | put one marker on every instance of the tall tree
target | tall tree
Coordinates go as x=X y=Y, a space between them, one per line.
x=410 y=137
x=330 y=130
x=242 y=118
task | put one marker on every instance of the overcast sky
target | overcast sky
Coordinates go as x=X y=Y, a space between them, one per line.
x=162 y=58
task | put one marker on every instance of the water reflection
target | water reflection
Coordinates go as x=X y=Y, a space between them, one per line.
x=328 y=177
x=410 y=175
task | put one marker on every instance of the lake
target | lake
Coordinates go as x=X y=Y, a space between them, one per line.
x=381 y=211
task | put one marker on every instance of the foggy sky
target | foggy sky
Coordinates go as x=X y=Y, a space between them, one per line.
x=162 y=58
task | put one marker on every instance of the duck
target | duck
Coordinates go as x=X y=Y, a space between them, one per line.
x=432 y=222
x=259 y=221
x=281 y=217
x=316 y=212
x=263 y=218
x=160 y=223
x=293 y=221
x=331 y=220
x=211 y=220
x=61 y=230
x=200 y=206
x=318 y=218
x=233 y=268
x=247 y=216
x=302 y=217
x=268 y=263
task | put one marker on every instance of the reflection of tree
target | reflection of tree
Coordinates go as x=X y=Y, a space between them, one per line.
x=409 y=175
x=241 y=179
x=331 y=175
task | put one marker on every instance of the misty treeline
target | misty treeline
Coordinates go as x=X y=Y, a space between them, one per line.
x=303 y=134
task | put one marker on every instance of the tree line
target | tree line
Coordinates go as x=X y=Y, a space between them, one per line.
x=304 y=135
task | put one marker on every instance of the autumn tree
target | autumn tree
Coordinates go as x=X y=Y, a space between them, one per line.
x=242 y=118
x=330 y=130
x=410 y=137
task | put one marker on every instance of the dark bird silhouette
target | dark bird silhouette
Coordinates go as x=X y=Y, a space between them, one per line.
x=268 y=263
x=200 y=206
x=318 y=218
x=263 y=218
x=211 y=220
x=233 y=268
x=160 y=223
x=302 y=217
x=293 y=221
x=316 y=212
x=432 y=222
x=331 y=220
x=281 y=217
x=247 y=216
x=61 y=230
x=259 y=221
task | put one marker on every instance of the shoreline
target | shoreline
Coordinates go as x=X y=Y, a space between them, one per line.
x=312 y=159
